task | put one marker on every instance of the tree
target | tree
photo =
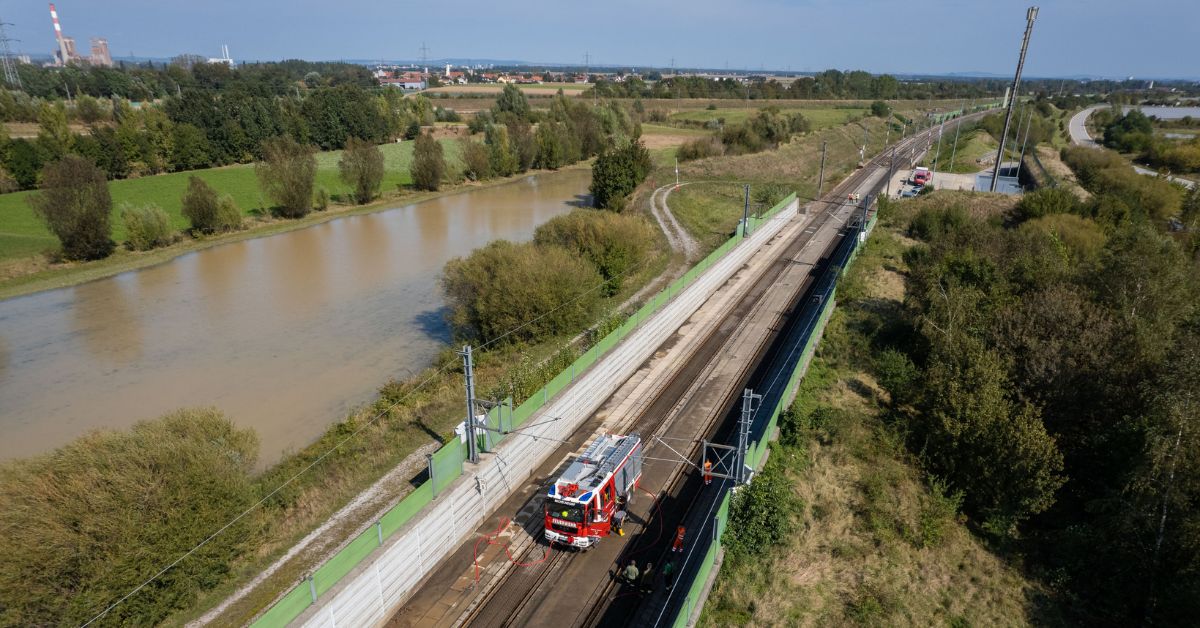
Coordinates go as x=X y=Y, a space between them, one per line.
x=428 y=165
x=24 y=162
x=617 y=172
x=286 y=175
x=501 y=154
x=88 y=110
x=189 y=148
x=132 y=497
x=75 y=205
x=1045 y=202
x=994 y=449
x=202 y=206
x=880 y=109
x=361 y=167
x=539 y=291
x=475 y=160
x=512 y=100
x=614 y=243
x=551 y=154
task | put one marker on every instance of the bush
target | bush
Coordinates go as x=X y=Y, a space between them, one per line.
x=428 y=166
x=476 y=165
x=613 y=243
x=880 y=109
x=229 y=216
x=97 y=516
x=617 y=172
x=75 y=205
x=540 y=291
x=200 y=203
x=700 y=148
x=1045 y=202
x=321 y=200
x=762 y=514
x=146 y=227
x=361 y=167
x=933 y=223
x=286 y=175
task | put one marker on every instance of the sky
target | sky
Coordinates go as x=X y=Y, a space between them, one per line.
x=1110 y=38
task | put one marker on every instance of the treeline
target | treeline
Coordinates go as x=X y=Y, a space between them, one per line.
x=830 y=84
x=151 y=81
x=1047 y=368
x=1133 y=132
x=203 y=128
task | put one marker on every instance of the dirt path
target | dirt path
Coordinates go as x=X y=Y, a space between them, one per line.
x=678 y=238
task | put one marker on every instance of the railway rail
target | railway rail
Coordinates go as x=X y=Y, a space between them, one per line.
x=516 y=594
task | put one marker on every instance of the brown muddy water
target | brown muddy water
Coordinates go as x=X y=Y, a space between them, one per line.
x=284 y=333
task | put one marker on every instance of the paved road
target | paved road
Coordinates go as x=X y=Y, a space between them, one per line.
x=1081 y=137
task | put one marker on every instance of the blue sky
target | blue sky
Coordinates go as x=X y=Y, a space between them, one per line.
x=1092 y=37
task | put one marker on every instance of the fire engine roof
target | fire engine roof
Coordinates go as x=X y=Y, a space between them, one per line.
x=594 y=467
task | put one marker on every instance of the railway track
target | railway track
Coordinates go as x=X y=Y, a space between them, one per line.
x=508 y=600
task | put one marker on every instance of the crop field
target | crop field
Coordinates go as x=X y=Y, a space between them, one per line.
x=22 y=234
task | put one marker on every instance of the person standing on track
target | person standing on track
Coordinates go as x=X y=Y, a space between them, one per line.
x=677 y=546
x=631 y=573
x=648 y=578
x=707 y=472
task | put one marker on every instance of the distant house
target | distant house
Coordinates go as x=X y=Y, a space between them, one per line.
x=408 y=80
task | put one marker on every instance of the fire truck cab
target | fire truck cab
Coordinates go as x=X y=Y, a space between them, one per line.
x=580 y=504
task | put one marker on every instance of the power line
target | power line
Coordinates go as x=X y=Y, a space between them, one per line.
x=337 y=446
x=10 y=67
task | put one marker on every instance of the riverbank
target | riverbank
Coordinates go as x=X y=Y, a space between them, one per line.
x=30 y=275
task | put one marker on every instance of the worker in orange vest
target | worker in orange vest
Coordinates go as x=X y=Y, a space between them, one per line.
x=707 y=472
x=678 y=545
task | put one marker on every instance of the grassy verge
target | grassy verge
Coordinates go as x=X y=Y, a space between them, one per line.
x=974 y=148
x=711 y=206
x=876 y=542
x=22 y=234
x=820 y=118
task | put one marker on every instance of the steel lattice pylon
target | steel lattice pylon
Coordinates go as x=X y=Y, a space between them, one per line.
x=10 y=67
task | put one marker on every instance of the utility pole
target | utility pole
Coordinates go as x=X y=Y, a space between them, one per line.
x=937 y=153
x=821 y=181
x=676 y=173
x=891 y=173
x=750 y=402
x=1021 y=159
x=469 y=371
x=957 y=130
x=746 y=214
x=1030 y=16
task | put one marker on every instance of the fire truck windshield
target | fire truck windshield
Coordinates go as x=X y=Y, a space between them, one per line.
x=564 y=511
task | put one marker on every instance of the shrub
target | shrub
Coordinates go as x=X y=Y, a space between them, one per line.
x=98 y=515
x=1045 y=202
x=200 y=203
x=229 y=216
x=428 y=166
x=146 y=227
x=617 y=172
x=613 y=243
x=475 y=160
x=540 y=291
x=321 y=200
x=762 y=514
x=700 y=148
x=75 y=205
x=286 y=175
x=361 y=167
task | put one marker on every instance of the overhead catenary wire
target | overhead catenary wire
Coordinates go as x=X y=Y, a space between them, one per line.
x=374 y=419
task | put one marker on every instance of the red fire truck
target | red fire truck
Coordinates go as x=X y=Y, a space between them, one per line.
x=581 y=503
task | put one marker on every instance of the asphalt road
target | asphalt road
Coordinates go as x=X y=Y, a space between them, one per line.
x=1081 y=137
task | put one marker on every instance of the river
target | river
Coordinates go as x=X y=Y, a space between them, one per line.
x=284 y=333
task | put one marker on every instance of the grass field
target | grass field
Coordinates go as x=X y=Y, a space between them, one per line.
x=973 y=146
x=22 y=234
x=821 y=118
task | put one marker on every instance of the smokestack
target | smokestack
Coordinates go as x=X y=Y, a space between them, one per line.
x=62 y=44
